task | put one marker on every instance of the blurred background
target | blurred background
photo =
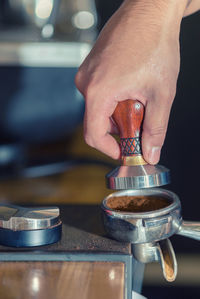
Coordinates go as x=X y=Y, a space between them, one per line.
x=43 y=158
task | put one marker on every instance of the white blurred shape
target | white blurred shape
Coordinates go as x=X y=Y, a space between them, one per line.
x=43 y=8
x=47 y=31
x=35 y=284
x=137 y=296
x=83 y=20
x=112 y=274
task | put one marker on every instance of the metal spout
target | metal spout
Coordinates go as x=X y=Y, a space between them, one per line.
x=161 y=252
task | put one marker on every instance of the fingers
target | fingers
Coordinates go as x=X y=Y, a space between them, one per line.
x=154 y=129
x=98 y=126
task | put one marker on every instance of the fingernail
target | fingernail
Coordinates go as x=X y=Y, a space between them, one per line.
x=154 y=155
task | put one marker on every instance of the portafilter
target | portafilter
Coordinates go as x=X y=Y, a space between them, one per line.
x=147 y=218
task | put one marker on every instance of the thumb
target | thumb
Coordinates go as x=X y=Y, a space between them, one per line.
x=154 y=129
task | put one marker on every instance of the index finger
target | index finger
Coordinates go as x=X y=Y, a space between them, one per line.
x=97 y=126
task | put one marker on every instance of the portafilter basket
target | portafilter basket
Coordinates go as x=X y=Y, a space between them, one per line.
x=157 y=217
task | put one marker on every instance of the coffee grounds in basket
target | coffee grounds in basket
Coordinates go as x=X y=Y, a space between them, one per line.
x=137 y=203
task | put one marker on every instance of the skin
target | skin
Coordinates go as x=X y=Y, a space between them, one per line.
x=136 y=56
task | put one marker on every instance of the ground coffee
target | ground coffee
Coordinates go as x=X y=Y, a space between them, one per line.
x=137 y=204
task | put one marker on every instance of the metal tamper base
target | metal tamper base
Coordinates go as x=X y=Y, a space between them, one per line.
x=29 y=227
x=137 y=177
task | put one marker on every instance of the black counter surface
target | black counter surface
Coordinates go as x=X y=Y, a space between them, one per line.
x=82 y=232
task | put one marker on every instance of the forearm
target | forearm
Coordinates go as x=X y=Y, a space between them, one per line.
x=193 y=6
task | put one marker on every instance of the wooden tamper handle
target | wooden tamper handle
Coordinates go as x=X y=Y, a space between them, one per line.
x=128 y=117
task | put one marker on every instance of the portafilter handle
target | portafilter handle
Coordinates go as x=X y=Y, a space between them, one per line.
x=128 y=117
x=190 y=229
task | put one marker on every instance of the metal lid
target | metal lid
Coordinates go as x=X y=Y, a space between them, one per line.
x=19 y=218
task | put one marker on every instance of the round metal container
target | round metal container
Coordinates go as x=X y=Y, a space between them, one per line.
x=143 y=227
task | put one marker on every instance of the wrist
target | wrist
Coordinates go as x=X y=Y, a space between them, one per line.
x=167 y=13
x=178 y=6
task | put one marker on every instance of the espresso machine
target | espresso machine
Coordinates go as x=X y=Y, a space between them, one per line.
x=42 y=43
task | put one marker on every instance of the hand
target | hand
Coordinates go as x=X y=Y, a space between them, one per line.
x=135 y=57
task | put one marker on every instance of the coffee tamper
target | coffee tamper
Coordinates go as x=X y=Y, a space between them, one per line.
x=27 y=227
x=134 y=173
